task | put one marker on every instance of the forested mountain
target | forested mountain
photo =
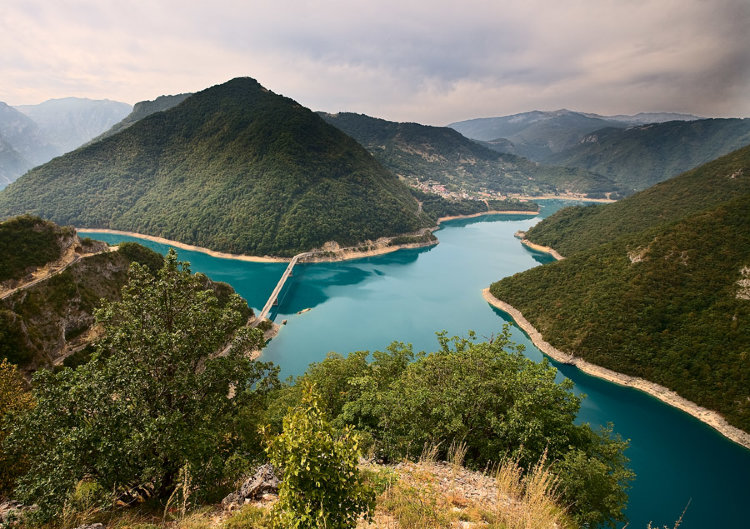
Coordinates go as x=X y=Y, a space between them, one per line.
x=638 y=157
x=579 y=228
x=441 y=154
x=70 y=122
x=658 y=289
x=234 y=167
x=143 y=109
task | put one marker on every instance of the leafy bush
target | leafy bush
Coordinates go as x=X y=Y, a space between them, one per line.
x=152 y=400
x=322 y=486
x=14 y=400
x=486 y=395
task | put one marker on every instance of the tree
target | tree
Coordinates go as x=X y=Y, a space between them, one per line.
x=14 y=399
x=322 y=487
x=155 y=397
x=489 y=397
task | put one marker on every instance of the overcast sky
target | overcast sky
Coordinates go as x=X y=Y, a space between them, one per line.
x=428 y=61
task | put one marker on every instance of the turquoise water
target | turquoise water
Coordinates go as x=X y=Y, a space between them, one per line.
x=410 y=294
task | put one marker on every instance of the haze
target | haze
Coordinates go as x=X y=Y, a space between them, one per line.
x=433 y=62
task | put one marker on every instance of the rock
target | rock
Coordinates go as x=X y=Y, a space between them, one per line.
x=11 y=512
x=263 y=482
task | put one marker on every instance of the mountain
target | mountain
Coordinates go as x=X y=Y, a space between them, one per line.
x=640 y=156
x=143 y=109
x=12 y=163
x=422 y=153
x=72 y=121
x=580 y=228
x=22 y=144
x=655 y=285
x=645 y=118
x=234 y=168
x=539 y=135
x=536 y=135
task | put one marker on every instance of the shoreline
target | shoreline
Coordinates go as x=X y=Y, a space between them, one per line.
x=537 y=247
x=340 y=254
x=666 y=395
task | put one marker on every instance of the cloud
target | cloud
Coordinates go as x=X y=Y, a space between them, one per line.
x=432 y=62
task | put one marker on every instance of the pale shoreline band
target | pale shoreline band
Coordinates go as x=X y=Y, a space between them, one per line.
x=340 y=255
x=665 y=395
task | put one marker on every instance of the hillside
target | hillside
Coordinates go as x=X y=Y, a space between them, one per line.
x=536 y=135
x=574 y=229
x=539 y=135
x=50 y=321
x=234 y=168
x=654 y=286
x=638 y=157
x=422 y=153
x=70 y=122
x=143 y=109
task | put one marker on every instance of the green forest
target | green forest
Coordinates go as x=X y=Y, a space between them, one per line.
x=579 y=228
x=234 y=168
x=656 y=293
x=27 y=242
x=441 y=154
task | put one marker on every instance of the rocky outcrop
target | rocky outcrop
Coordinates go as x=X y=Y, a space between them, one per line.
x=264 y=481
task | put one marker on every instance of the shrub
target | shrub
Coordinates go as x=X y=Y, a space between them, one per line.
x=322 y=486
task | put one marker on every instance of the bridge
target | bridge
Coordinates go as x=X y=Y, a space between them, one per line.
x=274 y=298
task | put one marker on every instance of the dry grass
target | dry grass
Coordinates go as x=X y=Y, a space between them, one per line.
x=534 y=502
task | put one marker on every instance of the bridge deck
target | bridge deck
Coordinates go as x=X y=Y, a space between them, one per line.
x=277 y=290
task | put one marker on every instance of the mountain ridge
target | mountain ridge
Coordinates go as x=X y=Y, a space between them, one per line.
x=233 y=168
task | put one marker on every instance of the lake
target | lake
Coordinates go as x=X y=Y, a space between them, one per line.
x=409 y=295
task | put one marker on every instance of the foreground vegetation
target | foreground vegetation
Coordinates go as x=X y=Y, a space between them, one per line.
x=157 y=410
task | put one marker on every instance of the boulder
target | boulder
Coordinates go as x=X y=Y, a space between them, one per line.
x=264 y=481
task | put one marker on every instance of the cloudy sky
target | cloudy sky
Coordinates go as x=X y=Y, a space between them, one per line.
x=429 y=61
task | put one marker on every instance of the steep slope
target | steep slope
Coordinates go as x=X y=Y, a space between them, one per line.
x=234 y=168
x=70 y=122
x=441 y=154
x=670 y=304
x=143 y=109
x=575 y=229
x=641 y=156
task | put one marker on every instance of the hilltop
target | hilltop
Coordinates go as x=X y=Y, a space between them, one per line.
x=234 y=168
x=423 y=153
x=654 y=286
x=52 y=281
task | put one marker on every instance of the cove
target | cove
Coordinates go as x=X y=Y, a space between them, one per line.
x=409 y=295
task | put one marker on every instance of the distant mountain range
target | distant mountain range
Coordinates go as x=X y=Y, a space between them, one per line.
x=31 y=135
x=655 y=285
x=235 y=168
x=634 y=152
x=421 y=153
